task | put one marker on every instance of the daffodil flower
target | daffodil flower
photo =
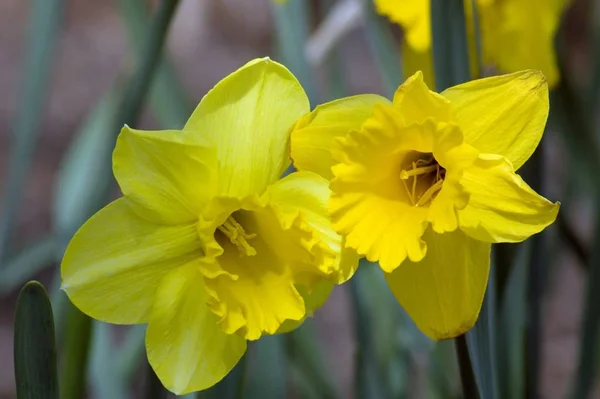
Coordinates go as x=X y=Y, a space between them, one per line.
x=516 y=34
x=424 y=184
x=207 y=245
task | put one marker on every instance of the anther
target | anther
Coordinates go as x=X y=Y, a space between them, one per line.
x=236 y=234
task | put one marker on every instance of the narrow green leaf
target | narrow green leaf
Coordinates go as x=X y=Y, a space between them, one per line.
x=481 y=341
x=266 y=376
x=304 y=357
x=511 y=326
x=153 y=387
x=76 y=348
x=168 y=99
x=35 y=346
x=292 y=30
x=27 y=263
x=384 y=48
x=105 y=380
x=79 y=189
x=131 y=352
x=230 y=387
x=450 y=45
x=44 y=27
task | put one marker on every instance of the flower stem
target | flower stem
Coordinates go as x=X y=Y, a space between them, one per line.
x=467 y=376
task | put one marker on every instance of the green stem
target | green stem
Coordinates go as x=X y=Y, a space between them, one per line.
x=75 y=354
x=466 y=368
x=154 y=388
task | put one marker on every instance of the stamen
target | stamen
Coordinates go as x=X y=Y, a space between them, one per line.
x=430 y=192
x=405 y=174
x=236 y=234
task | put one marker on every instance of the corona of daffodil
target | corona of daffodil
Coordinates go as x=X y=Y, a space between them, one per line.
x=424 y=184
x=516 y=34
x=208 y=245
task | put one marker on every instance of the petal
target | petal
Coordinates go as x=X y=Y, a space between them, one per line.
x=169 y=175
x=308 y=193
x=415 y=61
x=257 y=293
x=443 y=292
x=313 y=300
x=186 y=347
x=513 y=41
x=413 y=16
x=503 y=115
x=502 y=207
x=249 y=115
x=417 y=103
x=313 y=135
x=114 y=263
x=368 y=203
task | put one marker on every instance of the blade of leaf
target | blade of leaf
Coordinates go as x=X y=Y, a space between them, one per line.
x=44 y=23
x=292 y=30
x=27 y=263
x=511 y=326
x=450 y=45
x=35 y=345
x=384 y=48
x=168 y=99
x=266 y=376
x=304 y=356
x=104 y=377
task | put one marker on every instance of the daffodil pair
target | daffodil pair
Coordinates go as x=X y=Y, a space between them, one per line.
x=516 y=34
x=208 y=245
x=211 y=247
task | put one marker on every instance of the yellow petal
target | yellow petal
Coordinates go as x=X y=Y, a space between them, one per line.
x=414 y=16
x=443 y=292
x=513 y=41
x=502 y=207
x=307 y=193
x=368 y=203
x=169 y=175
x=114 y=263
x=258 y=293
x=503 y=115
x=313 y=299
x=186 y=347
x=415 y=61
x=313 y=135
x=416 y=102
x=249 y=115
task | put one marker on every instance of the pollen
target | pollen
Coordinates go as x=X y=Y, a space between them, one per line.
x=422 y=178
x=238 y=236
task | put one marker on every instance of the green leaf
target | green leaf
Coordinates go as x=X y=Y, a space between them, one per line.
x=35 y=345
x=481 y=341
x=511 y=326
x=76 y=348
x=84 y=173
x=266 y=376
x=384 y=48
x=292 y=30
x=168 y=99
x=27 y=263
x=105 y=379
x=44 y=27
x=450 y=45
x=305 y=359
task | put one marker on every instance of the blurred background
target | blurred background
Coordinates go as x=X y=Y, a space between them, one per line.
x=66 y=64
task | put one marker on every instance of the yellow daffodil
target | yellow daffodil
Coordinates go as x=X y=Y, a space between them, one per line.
x=425 y=184
x=207 y=245
x=516 y=34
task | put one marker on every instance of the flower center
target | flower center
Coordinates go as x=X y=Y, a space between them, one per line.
x=422 y=177
x=236 y=234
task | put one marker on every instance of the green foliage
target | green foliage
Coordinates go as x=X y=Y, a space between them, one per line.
x=35 y=345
